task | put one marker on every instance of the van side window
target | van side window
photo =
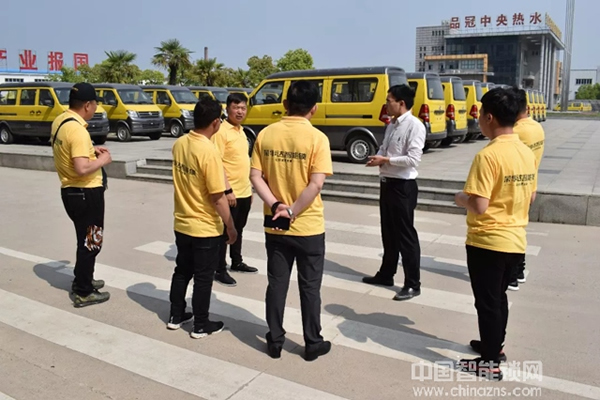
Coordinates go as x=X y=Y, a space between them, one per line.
x=413 y=85
x=109 y=97
x=319 y=83
x=360 y=90
x=28 y=97
x=45 y=98
x=204 y=95
x=162 y=98
x=270 y=93
x=8 y=97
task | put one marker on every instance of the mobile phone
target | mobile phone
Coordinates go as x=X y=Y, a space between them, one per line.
x=281 y=223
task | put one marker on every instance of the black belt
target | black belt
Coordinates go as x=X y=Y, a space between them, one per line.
x=387 y=178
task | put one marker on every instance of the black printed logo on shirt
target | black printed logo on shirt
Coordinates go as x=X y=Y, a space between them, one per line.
x=184 y=169
x=284 y=156
x=519 y=180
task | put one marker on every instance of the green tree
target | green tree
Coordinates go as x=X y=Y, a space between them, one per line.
x=241 y=78
x=208 y=71
x=85 y=73
x=151 y=77
x=119 y=68
x=173 y=57
x=259 y=68
x=298 y=59
x=589 y=92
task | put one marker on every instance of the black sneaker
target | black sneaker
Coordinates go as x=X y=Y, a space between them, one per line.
x=321 y=350
x=514 y=286
x=225 y=279
x=96 y=284
x=244 y=268
x=521 y=277
x=481 y=368
x=378 y=280
x=476 y=346
x=93 y=298
x=206 y=329
x=176 y=322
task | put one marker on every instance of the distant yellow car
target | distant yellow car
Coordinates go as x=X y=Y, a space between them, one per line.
x=576 y=106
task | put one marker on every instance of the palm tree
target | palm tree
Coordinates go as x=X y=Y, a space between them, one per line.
x=173 y=57
x=208 y=70
x=242 y=78
x=118 y=67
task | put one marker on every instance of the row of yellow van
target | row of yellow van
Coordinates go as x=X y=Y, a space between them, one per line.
x=581 y=106
x=28 y=109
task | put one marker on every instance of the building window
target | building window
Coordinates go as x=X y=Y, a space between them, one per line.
x=13 y=80
x=583 y=81
x=42 y=80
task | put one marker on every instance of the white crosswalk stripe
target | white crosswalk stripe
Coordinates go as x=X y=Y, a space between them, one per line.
x=5 y=397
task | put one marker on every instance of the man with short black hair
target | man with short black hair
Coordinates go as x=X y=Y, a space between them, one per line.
x=499 y=190
x=232 y=144
x=200 y=210
x=79 y=167
x=532 y=135
x=398 y=159
x=290 y=161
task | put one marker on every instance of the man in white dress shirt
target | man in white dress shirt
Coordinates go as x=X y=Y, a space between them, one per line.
x=398 y=159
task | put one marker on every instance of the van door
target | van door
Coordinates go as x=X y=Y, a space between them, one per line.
x=30 y=113
x=110 y=104
x=9 y=111
x=50 y=109
x=317 y=120
x=266 y=106
x=164 y=102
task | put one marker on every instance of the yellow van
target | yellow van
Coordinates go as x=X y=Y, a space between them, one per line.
x=217 y=93
x=543 y=106
x=245 y=91
x=474 y=93
x=177 y=105
x=351 y=109
x=429 y=105
x=456 y=110
x=28 y=109
x=130 y=111
x=486 y=87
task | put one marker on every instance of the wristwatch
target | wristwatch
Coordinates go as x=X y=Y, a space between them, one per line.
x=229 y=191
x=274 y=207
x=290 y=213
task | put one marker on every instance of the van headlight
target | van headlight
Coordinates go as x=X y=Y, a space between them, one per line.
x=132 y=113
x=104 y=115
x=186 y=113
x=160 y=114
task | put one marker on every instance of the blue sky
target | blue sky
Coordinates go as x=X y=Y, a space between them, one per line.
x=338 y=33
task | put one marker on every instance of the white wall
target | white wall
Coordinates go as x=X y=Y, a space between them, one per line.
x=593 y=74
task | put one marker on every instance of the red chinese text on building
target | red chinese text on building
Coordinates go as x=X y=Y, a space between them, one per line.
x=535 y=18
x=454 y=23
x=486 y=20
x=502 y=20
x=55 y=61
x=470 y=22
x=28 y=60
x=80 y=59
x=518 y=19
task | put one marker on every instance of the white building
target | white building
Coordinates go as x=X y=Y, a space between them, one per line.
x=581 y=77
x=12 y=76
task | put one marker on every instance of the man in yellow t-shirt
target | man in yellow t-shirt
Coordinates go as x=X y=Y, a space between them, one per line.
x=200 y=210
x=232 y=144
x=289 y=163
x=532 y=135
x=499 y=190
x=79 y=167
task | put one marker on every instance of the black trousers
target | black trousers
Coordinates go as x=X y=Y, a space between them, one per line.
x=519 y=269
x=397 y=203
x=309 y=254
x=85 y=207
x=490 y=273
x=239 y=213
x=196 y=258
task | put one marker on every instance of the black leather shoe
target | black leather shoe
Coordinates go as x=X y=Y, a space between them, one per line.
x=378 y=280
x=244 y=268
x=273 y=349
x=407 y=294
x=320 y=350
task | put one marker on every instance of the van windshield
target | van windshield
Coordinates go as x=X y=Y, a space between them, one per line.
x=221 y=96
x=397 y=79
x=459 y=90
x=63 y=95
x=134 y=96
x=435 y=91
x=184 y=97
x=478 y=91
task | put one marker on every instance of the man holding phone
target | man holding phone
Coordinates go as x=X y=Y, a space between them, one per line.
x=290 y=161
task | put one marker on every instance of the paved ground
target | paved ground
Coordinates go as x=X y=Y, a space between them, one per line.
x=121 y=349
x=571 y=161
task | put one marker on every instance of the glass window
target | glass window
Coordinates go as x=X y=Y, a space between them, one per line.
x=45 y=98
x=435 y=90
x=360 y=90
x=162 y=97
x=221 y=96
x=459 y=90
x=204 y=95
x=184 y=97
x=28 y=97
x=478 y=91
x=397 y=79
x=133 y=96
x=270 y=93
x=63 y=95
x=8 y=97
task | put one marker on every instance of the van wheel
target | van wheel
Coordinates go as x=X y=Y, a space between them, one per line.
x=123 y=133
x=359 y=149
x=250 y=145
x=460 y=139
x=176 y=129
x=155 y=135
x=447 y=141
x=6 y=137
x=99 y=139
x=469 y=137
x=435 y=144
x=44 y=139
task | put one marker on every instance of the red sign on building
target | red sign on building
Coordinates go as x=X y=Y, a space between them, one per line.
x=455 y=23
x=55 y=61
x=80 y=59
x=3 y=58
x=28 y=60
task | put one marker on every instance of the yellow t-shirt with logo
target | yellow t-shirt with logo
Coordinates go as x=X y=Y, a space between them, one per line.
x=233 y=146
x=504 y=172
x=532 y=134
x=288 y=152
x=73 y=140
x=197 y=173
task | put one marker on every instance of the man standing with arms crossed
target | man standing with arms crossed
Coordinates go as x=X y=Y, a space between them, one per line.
x=532 y=135
x=200 y=210
x=232 y=144
x=79 y=166
x=499 y=190
x=398 y=159
x=290 y=161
